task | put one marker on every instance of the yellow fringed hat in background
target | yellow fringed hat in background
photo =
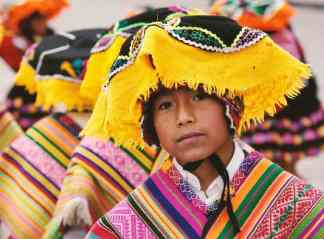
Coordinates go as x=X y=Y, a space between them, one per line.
x=211 y=52
x=107 y=48
x=54 y=69
x=267 y=15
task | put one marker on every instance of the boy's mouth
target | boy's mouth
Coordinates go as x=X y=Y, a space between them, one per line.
x=189 y=137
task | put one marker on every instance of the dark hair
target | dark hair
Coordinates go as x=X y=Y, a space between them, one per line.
x=26 y=29
x=148 y=128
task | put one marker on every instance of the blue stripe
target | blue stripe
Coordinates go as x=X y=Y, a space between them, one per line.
x=173 y=213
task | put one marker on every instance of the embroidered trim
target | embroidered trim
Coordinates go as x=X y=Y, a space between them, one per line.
x=123 y=61
x=193 y=36
x=106 y=41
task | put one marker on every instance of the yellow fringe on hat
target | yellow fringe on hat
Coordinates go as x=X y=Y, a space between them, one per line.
x=52 y=92
x=26 y=76
x=248 y=73
x=98 y=67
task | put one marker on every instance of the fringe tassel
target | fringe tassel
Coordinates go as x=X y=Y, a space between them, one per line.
x=4 y=231
x=52 y=92
x=26 y=76
x=76 y=214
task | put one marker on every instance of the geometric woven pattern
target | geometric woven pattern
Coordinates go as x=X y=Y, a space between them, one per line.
x=289 y=208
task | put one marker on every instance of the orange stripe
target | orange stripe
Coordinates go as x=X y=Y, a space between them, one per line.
x=35 y=173
x=116 y=194
x=66 y=132
x=55 y=140
x=152 y=152
x=90 y=191
x=59 y=142
x=310 y=231
x=157 y=213
x=264 y=202
x=12 y=219
x=47 y=207
x=237 y=199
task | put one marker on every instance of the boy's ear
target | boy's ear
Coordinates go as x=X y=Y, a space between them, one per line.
x=229 y=121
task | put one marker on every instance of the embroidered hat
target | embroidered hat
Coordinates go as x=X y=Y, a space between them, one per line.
x=211 y=52
x=107 y=48
x=54 y=68
x=18 y=10
x=267 y=15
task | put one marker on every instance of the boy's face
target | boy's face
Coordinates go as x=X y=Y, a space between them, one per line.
x=39 y=26
x=190 y=125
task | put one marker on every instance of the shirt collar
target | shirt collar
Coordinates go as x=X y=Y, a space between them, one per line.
x=214 y=190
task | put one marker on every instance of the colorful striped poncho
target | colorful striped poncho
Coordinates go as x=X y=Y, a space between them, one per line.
x=268 y=203
x=9 y=128
x=32 y=169
x=99 y=177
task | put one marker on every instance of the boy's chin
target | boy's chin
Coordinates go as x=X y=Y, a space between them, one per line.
x=192 y=156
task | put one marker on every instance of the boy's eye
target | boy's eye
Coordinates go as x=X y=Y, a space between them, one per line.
x=199 y=96
x=164 y=105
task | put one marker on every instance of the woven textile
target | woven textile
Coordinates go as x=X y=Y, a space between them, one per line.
x=9 y=128
x=32 y=172
x=100 y=175
x=267 y=201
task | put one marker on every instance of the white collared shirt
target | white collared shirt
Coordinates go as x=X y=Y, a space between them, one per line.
x=214 y=190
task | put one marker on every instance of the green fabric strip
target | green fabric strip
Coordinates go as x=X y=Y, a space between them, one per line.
x=46 y=150
x=252 y=199
x=142 y=214
x=308 y=219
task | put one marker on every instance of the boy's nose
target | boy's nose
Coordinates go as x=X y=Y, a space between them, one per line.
x=185 y=115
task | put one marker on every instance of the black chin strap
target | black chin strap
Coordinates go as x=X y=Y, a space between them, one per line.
x=219 y=166
x=193 y=165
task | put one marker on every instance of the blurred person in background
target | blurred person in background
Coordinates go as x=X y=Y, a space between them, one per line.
x=25 y=23
x=9 y=129
x=33 y=166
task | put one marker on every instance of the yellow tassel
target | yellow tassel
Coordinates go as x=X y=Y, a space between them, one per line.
x=26 y=76
x=98 y=67
x=96 y=123
x=53 y=91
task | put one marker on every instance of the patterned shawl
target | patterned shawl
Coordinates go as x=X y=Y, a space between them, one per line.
x=268 y=202
x=99 y=176
x=32 y=170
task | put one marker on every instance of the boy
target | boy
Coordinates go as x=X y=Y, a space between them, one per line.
x=191 y=84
